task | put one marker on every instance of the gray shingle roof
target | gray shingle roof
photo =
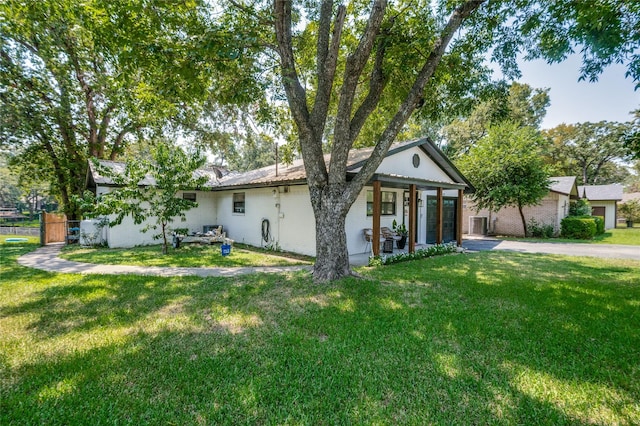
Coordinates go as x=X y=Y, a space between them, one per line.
x=564 y=185
x=611 y=192
x=293 y=173
x=212 y=175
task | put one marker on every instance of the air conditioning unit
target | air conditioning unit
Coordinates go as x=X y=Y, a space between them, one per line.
x=478 y=225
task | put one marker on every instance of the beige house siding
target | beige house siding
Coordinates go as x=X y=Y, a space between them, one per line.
x=551 y=210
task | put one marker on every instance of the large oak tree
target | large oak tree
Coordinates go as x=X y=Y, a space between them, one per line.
x=590 y=151
x=84 y=79
x=356 y=65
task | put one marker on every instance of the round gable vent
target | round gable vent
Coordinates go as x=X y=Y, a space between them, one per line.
x=416 y=160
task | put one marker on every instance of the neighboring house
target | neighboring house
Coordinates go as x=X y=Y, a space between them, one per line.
x=271 y=205
x=603 y=200
x=550 y=211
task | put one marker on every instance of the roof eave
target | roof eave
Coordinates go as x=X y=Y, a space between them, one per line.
x=422 y=184
x=267 y=184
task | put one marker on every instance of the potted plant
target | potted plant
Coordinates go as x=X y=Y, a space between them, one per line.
x=401 y=230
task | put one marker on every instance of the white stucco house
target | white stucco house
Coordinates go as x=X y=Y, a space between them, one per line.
x=603 y=200
x=271 y=205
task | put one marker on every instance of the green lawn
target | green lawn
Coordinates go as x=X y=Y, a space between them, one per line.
x=624 y=236
x=484 y=338
x=188 y=255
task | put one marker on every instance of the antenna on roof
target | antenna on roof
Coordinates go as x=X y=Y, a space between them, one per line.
x=276 y=159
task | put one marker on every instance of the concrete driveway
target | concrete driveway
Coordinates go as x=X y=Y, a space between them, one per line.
x=570 y=249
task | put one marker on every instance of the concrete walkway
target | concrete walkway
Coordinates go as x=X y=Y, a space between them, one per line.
x=609 y=251
x=46 y=259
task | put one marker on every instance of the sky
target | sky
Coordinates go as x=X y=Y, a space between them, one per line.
x=611 y=98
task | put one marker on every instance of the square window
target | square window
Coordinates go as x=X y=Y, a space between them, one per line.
x=387 y=203
x=238 y=202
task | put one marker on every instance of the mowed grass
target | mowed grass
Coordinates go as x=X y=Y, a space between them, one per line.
x=188 y=255
x=485 y=338
x=623 y=236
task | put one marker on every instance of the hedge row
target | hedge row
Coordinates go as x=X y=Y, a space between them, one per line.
x=581 y=227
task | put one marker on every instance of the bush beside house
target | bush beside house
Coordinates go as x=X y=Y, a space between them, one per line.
x=582 y=227
x=599 y=224
x=536 y=229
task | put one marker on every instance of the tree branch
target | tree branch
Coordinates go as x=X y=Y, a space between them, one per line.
x=102 y=132
x=251 y=12
x=311 y=140
x=377 y=83
x=327 y=59
x=408 y=106
x=117 y=144
x=57 y=167
x=353 y=69
x=92 y=137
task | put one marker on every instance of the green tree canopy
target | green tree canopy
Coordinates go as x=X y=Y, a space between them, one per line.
x=632 y=138
x=85 y=79
x=518 y=103
x=588 y=150
x=10 y=193
x=506 y=169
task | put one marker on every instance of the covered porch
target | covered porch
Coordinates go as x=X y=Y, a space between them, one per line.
x=424 y=210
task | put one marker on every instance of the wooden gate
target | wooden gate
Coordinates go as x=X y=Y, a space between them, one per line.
x=53 y=228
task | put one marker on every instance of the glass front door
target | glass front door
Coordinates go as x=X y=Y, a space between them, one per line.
x=449 y=207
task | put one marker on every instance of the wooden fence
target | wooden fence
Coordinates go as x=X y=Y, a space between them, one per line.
x=54 y=228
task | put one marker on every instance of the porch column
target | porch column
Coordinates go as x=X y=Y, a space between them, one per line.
x=377 y=210
x=439 y=215
x=459 y=218
x=412 y=218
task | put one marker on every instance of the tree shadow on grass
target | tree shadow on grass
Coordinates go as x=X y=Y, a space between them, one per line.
x=573 y=323
x=440 y=341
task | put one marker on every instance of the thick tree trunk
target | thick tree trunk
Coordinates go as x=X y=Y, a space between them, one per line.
x=332 y=257
x=331 y=196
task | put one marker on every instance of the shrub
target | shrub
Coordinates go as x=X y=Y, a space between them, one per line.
x=435 y=250
x=578 y=227
x=599 y=224
x=536 y=229
x=580 y=207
